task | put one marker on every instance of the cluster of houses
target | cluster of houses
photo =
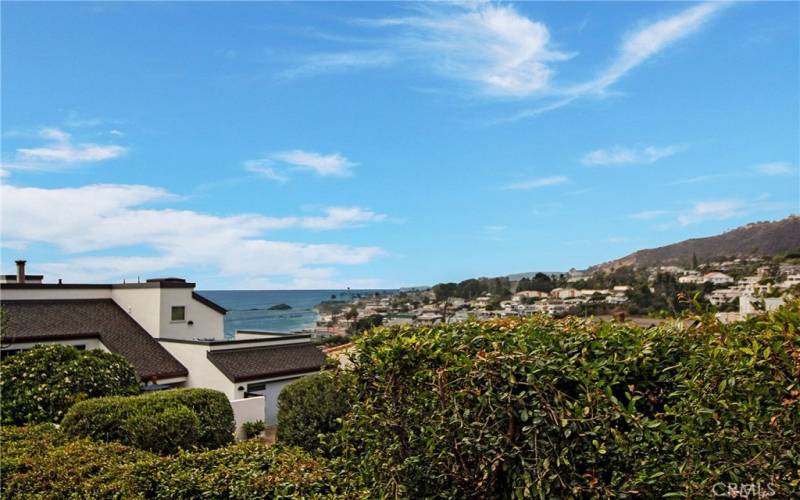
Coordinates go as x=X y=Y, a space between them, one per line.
x=748 y=293
x=428 y=311
x=173 y=336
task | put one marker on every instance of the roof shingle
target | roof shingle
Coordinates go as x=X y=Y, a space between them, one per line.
x=48 y=320
x=265 y=362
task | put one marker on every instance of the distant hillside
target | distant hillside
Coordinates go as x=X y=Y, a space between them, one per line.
x=758 y=239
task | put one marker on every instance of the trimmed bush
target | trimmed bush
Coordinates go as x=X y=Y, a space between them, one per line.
x=43 y=463
x=308 y=407
x=161 y=422
x=41 y=384
x=572 y=408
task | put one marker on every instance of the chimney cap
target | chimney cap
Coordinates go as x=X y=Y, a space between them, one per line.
x=18 y=262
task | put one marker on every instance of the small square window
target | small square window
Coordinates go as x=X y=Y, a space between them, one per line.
x=178 y=313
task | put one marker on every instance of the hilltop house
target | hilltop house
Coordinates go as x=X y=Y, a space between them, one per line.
x=172 y=336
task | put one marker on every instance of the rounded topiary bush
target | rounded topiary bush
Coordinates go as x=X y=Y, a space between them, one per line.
x=41 y=384
x=161 y=422
x=309 y=407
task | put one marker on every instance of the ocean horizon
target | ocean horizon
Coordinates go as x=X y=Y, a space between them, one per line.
x=250 y=309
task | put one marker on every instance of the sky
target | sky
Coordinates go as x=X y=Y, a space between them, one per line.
x=329 y=145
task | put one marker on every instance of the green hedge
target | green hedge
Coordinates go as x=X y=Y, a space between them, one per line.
x=41 y=462
x=309 y=407
x=161 y=422
x=41 y=384
x=570 y=408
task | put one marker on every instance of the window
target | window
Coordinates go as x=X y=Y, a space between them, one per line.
x=178 y=313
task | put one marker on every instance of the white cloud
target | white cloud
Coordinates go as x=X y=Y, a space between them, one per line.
x=711 y=210
x=648 y=41
x=118 y=218
x=775 y=168
x=60 y=152
x=264 y=167
x=491 y=45
x=648 y=214
x=537 y=183
x=331 y=164
x=636 y=48
x=339 y=61
x=276 y=165
x=626 y=156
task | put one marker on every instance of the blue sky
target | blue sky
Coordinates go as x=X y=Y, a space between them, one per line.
x=322 y=145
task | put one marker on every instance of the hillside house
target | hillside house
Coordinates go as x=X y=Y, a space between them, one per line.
x=172 y=335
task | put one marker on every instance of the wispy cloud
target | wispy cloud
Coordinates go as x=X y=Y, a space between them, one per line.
x=495 y=232
x=636 y=48
x=537 y=183
x=114 y=218
x=648 y=41
x=265 y=168
x=628 y=156
x=321 y=164
x=60 y=152
x=316 y=64
x=775 y=168
x=491 y=45
x=711 y=210
x=648 y=214
x=698 y=179
x=277 y=166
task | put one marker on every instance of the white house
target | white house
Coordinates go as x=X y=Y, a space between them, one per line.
x=717 y=278
x=171 y=335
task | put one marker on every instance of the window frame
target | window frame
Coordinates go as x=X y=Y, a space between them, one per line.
x=172 y=314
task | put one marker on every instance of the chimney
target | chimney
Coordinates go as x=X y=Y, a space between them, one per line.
x=20 y=271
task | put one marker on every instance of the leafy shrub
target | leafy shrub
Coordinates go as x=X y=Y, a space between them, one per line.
x=309 y=407
x=253 y=429
x=161 y=422
x=41 y=462
x=40 y=384
x=572 y=408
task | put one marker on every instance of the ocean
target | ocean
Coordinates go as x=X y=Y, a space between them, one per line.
x=249 y=309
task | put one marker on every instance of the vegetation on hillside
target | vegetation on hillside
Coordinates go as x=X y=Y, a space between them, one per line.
x=758 y=239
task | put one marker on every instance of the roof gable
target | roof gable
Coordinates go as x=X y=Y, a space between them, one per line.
x=53 y=320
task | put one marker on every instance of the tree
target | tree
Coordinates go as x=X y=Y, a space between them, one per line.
x=694 y=260
x=444 y=291
x=365 y=323
x=41 y=384
x=524 y=285
x=352 y=314
x=470 y=289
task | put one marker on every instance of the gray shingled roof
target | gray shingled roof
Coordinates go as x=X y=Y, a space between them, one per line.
x=265 y=362
x=49 y=320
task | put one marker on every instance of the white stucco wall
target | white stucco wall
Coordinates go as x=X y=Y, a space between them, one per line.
x=202 y=373
x=247 y=410
x=206 y=322
x=142 y=304
x=55 y=294
x=272 y=389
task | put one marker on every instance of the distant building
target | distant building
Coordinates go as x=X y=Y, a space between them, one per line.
x=717 y=278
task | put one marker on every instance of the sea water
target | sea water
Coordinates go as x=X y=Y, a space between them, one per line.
x=250 y=309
